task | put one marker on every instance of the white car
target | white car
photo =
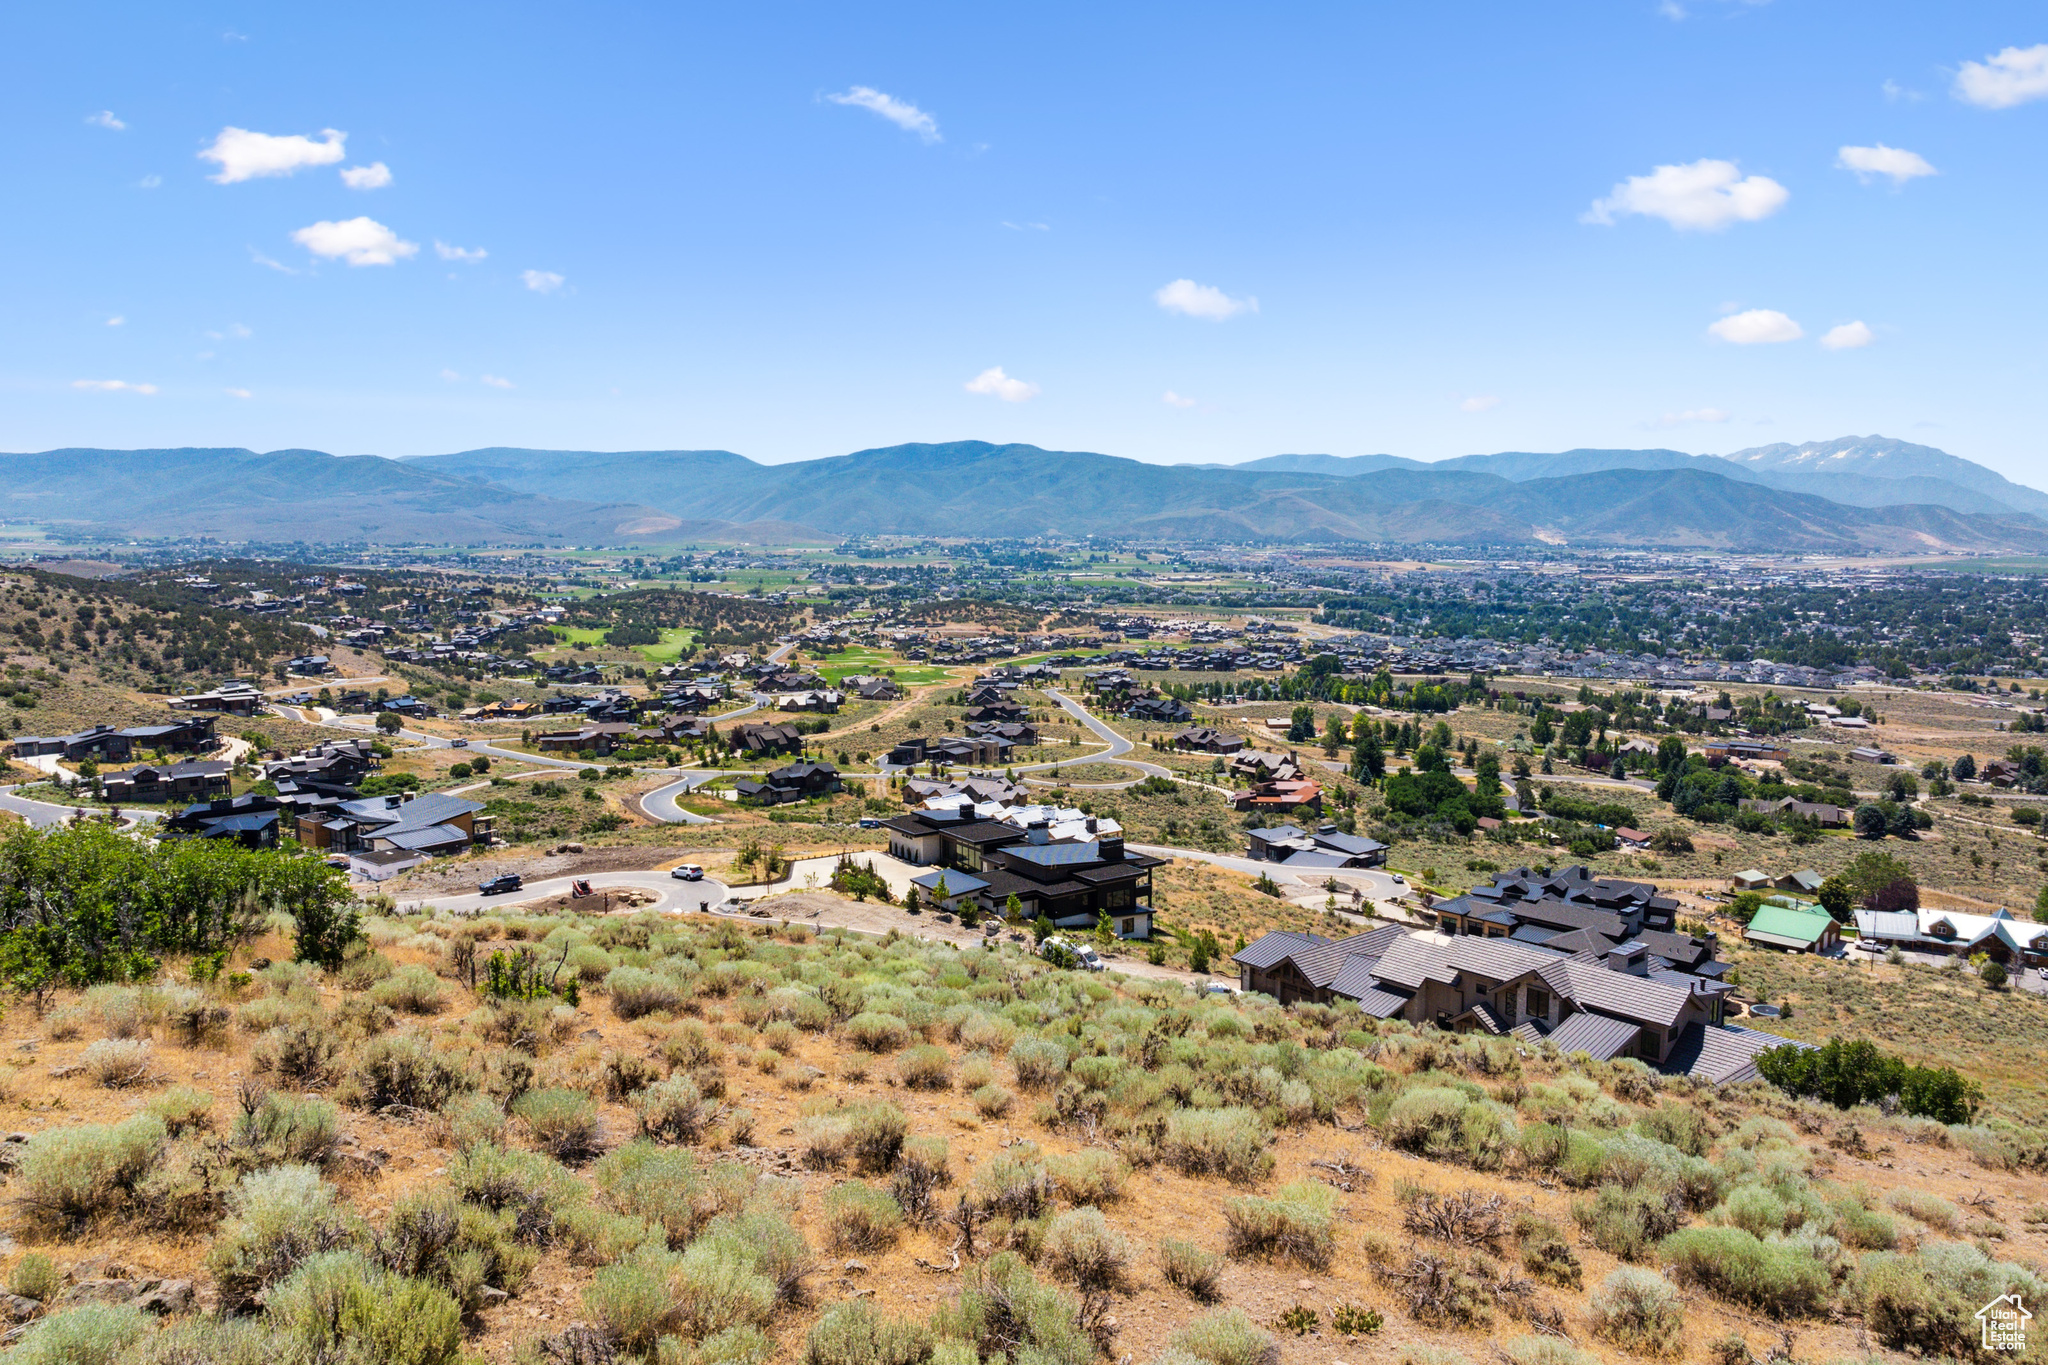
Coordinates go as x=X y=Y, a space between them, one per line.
x=1220 y=988
x=1083 y=954
x=688 y=872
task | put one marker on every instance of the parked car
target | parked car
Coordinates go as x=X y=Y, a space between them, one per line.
x=688 y=872
x=1084 y=956
x=458 y=744
x=1220 y=988
x=510 y=881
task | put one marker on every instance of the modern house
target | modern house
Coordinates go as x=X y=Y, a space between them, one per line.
x=1072 y=882
x=1327 y=847
x=433 y=823
x=791 y=782
x=1605 y=1005
x=1820 y=812
x=1159 y=711
x=1281 y=796
x=106 y=744
x=194 y=780
x=1745 y=750
x=236 y=697
x=1204 y=739
x=756 y=738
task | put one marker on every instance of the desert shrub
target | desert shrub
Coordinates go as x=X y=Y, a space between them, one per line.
x=926 y=1067
x=674 y=1110
x=1865 y=1229
x=1089 y=1176
x=1627 y=1221
x=117 y=1063
x=1082 y=1249
x=401 y=1069
x=631 y=1301
x=855 y=1334
x=1298 y=1225
x=860 y=1217
x=473 y=1118
x=1193 y=1271
x=1037 y=1062
x=1427 y=1122
x=119 y=1010
x=183 y=1108
x=718 y=1284
x=283 y=1215
x=1014 y=1184
x=1778 y=1278
x=875 y=1136
x=411 y=990
x=1757 y=1209
x=68 y=1175
x=1927 y=1303
x=1231 y=1143
x=96 y=1334
x=35 y=1276
x=283 y=1127
x=993 y=1100
x=363 y=970
x=773 y=1246
x=874 y=1032
x=1003 y=1309
x=1927 y=1206
x=661 y=1184
x=1639 y=1311
x=466 y=1250
x=562 y=1123
x=340 y=1306
x=1226 y=1336
x=1545 y=1252
x=299 y=1055
x=1534 y=1350
x=635 y=991
x=536 y=1189
x=1676 y=1125
x=1422 y=1353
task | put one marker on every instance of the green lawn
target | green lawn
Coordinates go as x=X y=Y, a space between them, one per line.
x=849 y=662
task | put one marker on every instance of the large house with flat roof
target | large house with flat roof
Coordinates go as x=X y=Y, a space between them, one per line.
x=1072 y=882
x=434 y=822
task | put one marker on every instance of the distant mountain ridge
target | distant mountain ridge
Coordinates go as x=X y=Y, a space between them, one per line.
x=1861 y=471
x=501 y=495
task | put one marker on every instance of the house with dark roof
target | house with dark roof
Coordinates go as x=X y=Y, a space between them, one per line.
x=1325 y=847
x=1159 y=711
x=432 y=823
x=1491 y=985
x=1574 y=911
x=789 y=783
x=1203 y=739
x=758 y=738
x=1280 y=796
x=1071 y=882
x=151 y=783
x=251 y=820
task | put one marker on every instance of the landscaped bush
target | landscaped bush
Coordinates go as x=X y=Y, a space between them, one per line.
x=70 y=1174
x=1082 y=1249
x=926 y=1067
x=1193 y=1271
x=634 y=992
x=1639 y=1311
x=283 y=1216
x=855 y=1334
x=860 y=1217
x=1298 y=1225
x=562 y=1123
x=1231 y=1143
x=1226 y=1336
x=1782 y=1279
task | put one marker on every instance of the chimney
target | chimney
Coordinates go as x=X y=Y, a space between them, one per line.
x=1091 y=824
x=1037 y=832
x=391 y=802
x=1630 y=958
x=1111 y=849
x=409 y=796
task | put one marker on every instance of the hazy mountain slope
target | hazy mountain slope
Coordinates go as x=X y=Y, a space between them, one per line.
x=673 y=479
x=1342 y=465
x=1882 y=457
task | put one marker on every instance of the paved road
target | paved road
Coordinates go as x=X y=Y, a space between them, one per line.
x=44 y=814
x=1118 y=747
x=660 y=804
x=675 y=897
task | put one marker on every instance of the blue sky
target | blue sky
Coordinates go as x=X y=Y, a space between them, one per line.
x=1173 y=232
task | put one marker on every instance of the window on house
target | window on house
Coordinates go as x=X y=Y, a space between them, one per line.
x=1539 y=1003
x=1130 y=926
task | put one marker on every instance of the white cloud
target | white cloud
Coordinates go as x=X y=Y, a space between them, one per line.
x=1202 y=301
x=243 y=155
x=541 y=281
x=1704 y=196
x=105 y=119
x=451 y=376
x=1896 y=162
x=374 y=176
x=359 y=241
x=1027 y=227
x=494 y=381
x=116 y=321
x=993 y=382
x=458 y=253
x=149 y=182
x=1895 y=92
x=1756 y=327
x=2014 y=76
x=902 y=113
x=1692 y=415
x=1174 y=400
x=112 y=386
x=238 y=393
x=1484 y=402
x=1847 y=336
x=268 y=264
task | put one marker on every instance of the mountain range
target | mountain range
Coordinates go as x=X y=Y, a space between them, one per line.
x=1858 y=493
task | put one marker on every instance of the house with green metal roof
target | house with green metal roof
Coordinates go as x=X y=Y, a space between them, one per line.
x=1800 y=931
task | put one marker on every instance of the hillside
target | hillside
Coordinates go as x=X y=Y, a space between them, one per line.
x=505 y=495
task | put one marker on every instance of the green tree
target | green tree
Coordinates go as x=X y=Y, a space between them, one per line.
x=1993 y=974
x=1964 y=768
x=2041 y=906
x=390 y=722
x=1042 y=928
x=1013 y=909
x=1540 y=733
x=1870 y=821
x=1838 y=898
x=1745 y=905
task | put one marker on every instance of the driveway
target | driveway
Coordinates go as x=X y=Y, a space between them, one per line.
x=674 y=897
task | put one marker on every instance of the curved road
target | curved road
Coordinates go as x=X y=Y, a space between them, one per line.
x=1118 y=744
x=674 y=897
